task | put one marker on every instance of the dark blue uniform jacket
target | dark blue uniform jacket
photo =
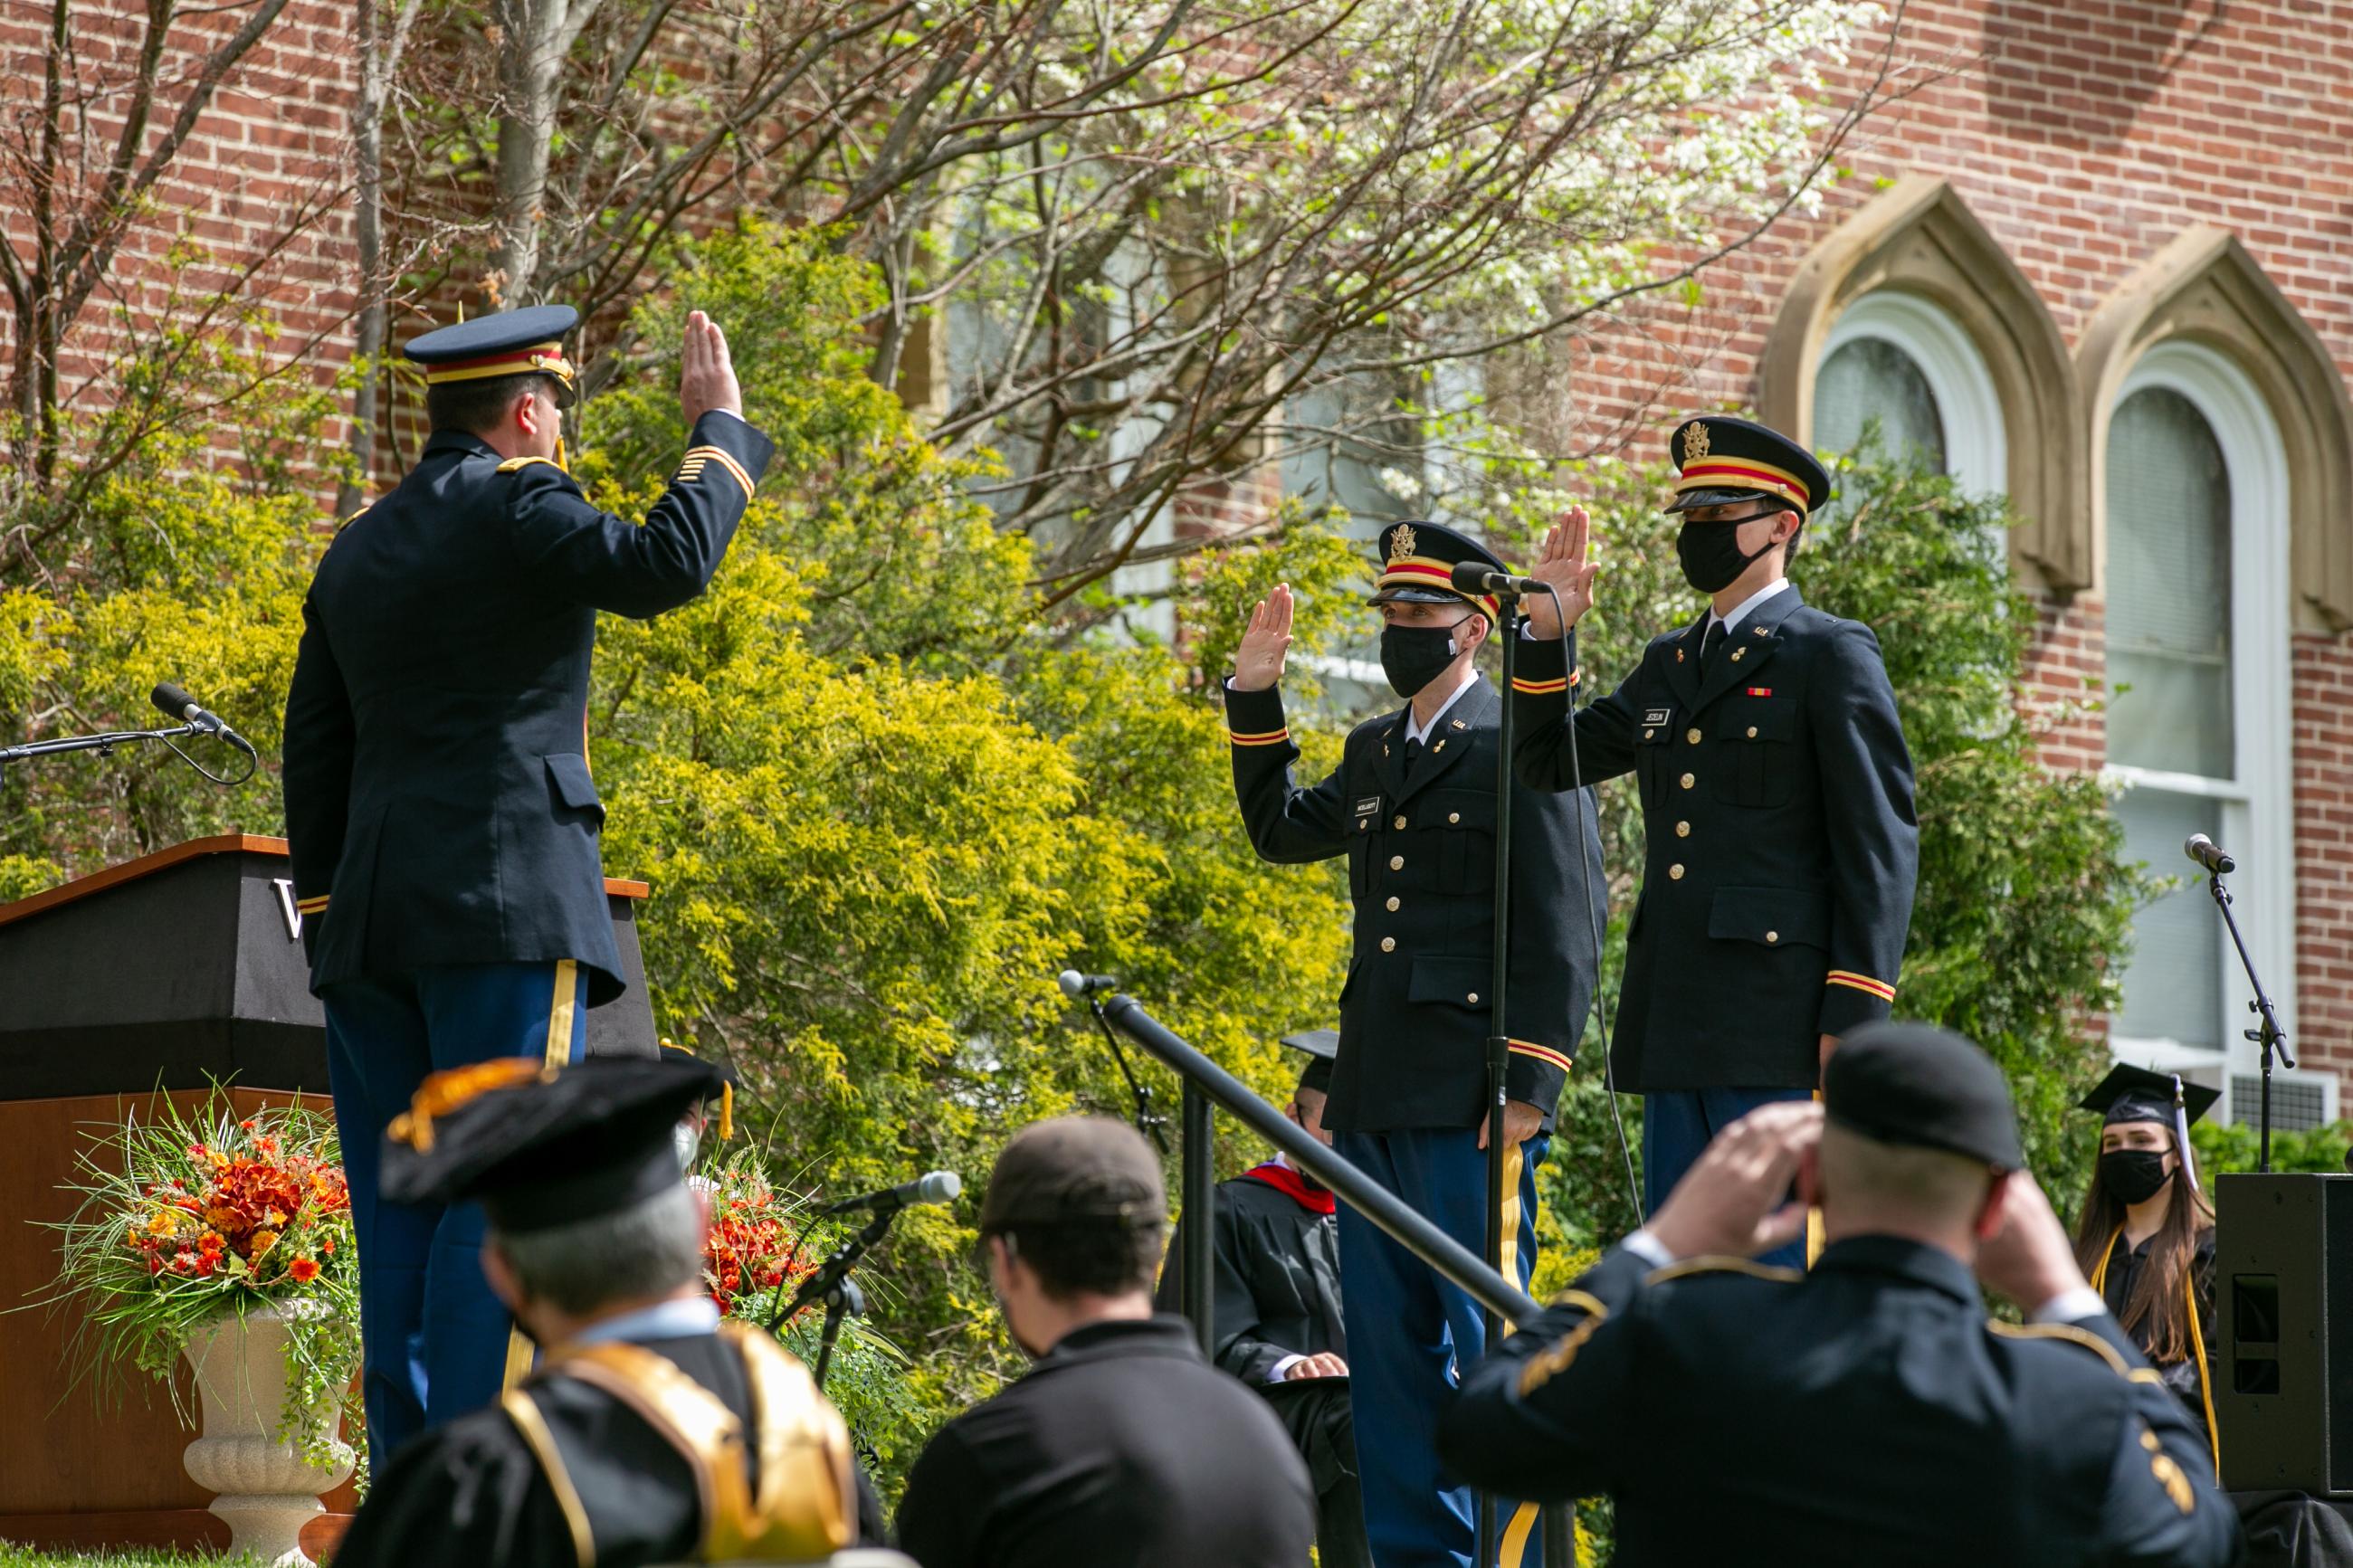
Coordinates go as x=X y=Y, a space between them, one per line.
x=1415 y=1014
x=438 y=804
x=1780 y=839
x=1865 y=1413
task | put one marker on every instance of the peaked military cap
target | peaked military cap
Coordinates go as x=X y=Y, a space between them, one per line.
x=508 y=342
x=2135 y=1094
x=1722 y=459
x=1417 y=562
x=1321 y=1047
x=1919 y=1086
x=543 y=1146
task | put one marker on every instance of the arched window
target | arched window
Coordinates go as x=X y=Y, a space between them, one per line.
x=2198 y=717
x=1896 y=357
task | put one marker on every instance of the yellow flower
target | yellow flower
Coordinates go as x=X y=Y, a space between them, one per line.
x=263 y=1240
x=162 y=1224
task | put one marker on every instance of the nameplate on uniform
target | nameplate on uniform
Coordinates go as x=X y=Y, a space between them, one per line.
x=1369 y=806
x=1658 y=715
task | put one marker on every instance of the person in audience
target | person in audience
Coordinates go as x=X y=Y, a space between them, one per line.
x=1865 y=1412
x=2146 y=1235
x=652 y=1432
x=1122 y=1445
x=1276 y=1309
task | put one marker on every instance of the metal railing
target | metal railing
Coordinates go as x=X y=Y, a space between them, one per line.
x=1209 y=1088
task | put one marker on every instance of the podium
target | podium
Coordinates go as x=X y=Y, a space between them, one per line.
x=149 y=979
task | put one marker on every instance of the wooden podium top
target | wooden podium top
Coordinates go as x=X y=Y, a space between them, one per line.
x=223 y=844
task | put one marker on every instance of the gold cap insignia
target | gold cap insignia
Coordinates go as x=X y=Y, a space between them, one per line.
x=1694 y=442
x=1401 y=540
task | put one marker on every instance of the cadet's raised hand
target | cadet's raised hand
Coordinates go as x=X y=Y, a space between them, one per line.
x=706 y=377
x=1729 y=1203
x=1258 y=662
x=1563 y=565
x=2029 y=1258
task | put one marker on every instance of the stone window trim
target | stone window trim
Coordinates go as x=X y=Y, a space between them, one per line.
x=1918 y=238
x=2204 y=287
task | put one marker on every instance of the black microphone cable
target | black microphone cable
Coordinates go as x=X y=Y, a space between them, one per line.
x=1593 y=917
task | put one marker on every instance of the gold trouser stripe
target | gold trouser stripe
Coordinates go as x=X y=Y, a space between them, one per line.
x=1515 y=1535
x=556 y=1053
x=1814 y=1240
x=1514 y=1159
x=542 y=1442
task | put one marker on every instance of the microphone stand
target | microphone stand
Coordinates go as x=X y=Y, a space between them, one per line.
x=1499 y=1044
x=2268 y=1035
x=829 y=1282
x=1148 y=1121
x=101 y=743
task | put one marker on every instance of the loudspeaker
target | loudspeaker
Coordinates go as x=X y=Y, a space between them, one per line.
x=2283 y=1313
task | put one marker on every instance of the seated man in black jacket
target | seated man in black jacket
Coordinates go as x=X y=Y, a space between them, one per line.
x=1277 y=1308
x=1121 y=1445
x=1865 y=1412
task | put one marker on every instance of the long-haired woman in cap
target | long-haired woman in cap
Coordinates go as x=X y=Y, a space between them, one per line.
x=2146 y=1237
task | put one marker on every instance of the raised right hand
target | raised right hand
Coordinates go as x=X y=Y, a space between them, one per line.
x=1563 y=565
x=706 y=377
x=1258 y=662
x=2031 y=1259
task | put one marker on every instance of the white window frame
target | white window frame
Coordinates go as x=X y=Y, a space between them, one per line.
x=1977 y=444
x=2258 y=807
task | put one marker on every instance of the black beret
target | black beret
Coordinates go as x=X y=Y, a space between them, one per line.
x=541 y=1147
x=1074 y=1170
x=1920 y=1085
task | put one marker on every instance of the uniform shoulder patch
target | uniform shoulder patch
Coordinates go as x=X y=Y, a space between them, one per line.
x=2067 y=1333
x=1713 y=1265
x=516 y=465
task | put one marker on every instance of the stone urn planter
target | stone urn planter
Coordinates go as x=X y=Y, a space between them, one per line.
x=268 y=1489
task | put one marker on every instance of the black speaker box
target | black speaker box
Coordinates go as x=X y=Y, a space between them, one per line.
x=2283 y=1313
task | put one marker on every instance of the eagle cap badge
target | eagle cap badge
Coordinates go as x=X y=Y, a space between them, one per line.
x=1694 y=442
x=1401 y=541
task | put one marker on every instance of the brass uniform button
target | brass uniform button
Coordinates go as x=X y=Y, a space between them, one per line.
x=1647 y=733
x=1474 y=998
x=1399 y=823
x=1393 y=903
x=1675 y=872
x=1396 y=862
x=1682 y=830
x=1689 y=780
x=1454 y=817
x=1389 y=944
x=1692 y=735
x=1752 y=731
x=1771 y=937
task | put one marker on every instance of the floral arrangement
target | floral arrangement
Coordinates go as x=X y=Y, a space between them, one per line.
x=199 y=1214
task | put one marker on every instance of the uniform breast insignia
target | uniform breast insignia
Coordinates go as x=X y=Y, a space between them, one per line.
x=1401 y=541
x=1678 y=656
x=1760 y=691
x=1694 y=442
x=1737 y=653
x=1657 y=715
x=1462 y=725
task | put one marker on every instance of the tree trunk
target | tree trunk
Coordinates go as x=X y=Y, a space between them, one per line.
x=534 y=36
x=379 y=62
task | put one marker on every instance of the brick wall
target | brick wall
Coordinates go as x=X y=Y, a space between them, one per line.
x=2086 y=134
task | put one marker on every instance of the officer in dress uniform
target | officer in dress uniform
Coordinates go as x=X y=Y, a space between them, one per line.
x=1777 y=802
x=1412 y=807
x=652 y=1432
x=1277 y=1308
x=442 y=822
x=1866 y=1413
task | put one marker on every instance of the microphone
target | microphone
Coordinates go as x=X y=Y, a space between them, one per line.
x=1470 y=577
x=938 y=1187
x=2209 y=854
x=176 y=704
x=1075 y=984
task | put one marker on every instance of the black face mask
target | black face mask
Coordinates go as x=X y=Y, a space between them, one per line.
x=1710 y=553
x=1413 y=657
x=2134 y=1175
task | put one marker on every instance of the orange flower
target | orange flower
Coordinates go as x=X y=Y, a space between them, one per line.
x=303 y=1269
x=327 y=1246
x=263 y=1240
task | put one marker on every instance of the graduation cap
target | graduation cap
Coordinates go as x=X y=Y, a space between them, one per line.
x=1321 y=1046
x=1722 y=459
x=543 y=1146
x=509 y=342
x=1417 y=562
x=2135 y=1094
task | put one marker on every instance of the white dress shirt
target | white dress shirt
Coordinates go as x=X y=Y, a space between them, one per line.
x=1413 y=728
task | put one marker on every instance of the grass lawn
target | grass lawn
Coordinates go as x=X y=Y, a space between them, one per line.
x=25 y=1557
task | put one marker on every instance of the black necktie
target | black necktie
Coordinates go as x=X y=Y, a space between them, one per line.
x=1413 y=754
x=1710 y=640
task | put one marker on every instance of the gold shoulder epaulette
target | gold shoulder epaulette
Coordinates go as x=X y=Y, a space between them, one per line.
x=356 y=516
x=1724 y=1265
x=2068 y=1333
x=513 y=464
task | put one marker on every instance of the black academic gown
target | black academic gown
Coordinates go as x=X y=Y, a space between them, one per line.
x=472 y=1491
x=1277 y=1294
x=2125 y=1266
